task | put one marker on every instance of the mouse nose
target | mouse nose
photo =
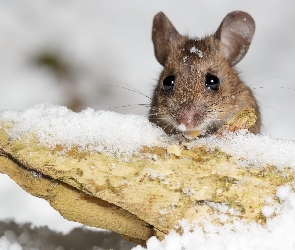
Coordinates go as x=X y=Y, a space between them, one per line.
x=189 y=117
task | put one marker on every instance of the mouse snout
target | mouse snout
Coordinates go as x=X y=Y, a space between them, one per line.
x=189 y=117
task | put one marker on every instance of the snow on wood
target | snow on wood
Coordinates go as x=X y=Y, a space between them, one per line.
x=138 y=190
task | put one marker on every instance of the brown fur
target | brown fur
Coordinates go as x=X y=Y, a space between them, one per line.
x=190 y=102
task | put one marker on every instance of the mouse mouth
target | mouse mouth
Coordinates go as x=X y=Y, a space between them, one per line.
x=190 y=118
x=207 y=127
x=196 y=121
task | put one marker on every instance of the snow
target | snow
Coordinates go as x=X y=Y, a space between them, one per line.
x=100 y=131
x=117 y=134
x=196 y=51
x=253 y=150
x=268 y=211
x=182 y=127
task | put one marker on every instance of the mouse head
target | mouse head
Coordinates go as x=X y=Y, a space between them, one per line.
x=198 y=88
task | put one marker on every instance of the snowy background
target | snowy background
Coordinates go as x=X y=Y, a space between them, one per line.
x=71 y=52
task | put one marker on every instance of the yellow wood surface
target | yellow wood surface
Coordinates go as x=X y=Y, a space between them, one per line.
x=145 y=195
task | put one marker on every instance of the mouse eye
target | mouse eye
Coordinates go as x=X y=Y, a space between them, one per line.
x=212 y=82
x=168 y=83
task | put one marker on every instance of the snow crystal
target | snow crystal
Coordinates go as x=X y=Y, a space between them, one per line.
x=282 y=192
x=196 y=51
x=155 y=174
x=188 y=191
x=182 y=127
x=268 y=211
x=88 y=130
x=221 y=207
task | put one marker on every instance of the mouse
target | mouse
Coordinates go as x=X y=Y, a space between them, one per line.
x=199 y=88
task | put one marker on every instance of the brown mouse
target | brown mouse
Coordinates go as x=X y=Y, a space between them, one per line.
x=199 y=89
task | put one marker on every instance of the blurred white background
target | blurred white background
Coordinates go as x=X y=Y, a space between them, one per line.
x=69 y=52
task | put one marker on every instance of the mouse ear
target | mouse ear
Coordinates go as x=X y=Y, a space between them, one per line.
x=235 y=33
x=163 y=34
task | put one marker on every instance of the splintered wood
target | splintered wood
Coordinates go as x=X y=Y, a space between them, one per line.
x=144 y=196
x=243 y=119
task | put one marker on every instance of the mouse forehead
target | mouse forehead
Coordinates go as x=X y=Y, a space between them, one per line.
x=195 y=55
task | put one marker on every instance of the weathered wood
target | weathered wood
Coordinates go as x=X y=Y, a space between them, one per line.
x=75 y=205
x=143 y=196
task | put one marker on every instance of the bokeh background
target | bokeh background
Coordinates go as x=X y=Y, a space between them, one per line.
x=89 y=53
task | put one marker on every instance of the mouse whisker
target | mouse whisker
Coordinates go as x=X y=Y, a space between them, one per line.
x=130 y=88
x=131 y=106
